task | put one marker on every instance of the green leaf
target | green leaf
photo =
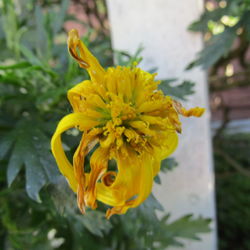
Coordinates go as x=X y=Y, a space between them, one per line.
x=157 y=179
x=20 y=65
x=202 y=24
x=41 y=33
x=59 y=18
x=167 y=234
x=151 y=204
x=188 y=227
x=31 y=149
x=125 y=59
x=36 y=176
x=15 y=162
x=51 y=96
x=95 y=222
x=10 y=79
x=218 y=46
x=30 y=56
x=181 y=91
x=168 y=164
x=5 y=145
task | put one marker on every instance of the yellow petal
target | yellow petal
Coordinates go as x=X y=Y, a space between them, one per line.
x=197 y=111
x=67 y=122
x=139 y=185
x=87 y=142
x=75 y=95
x=142 y=127
x=98 y=165
x=168 y=143
x=124 y=186
x=84 y=58
x=78 y=164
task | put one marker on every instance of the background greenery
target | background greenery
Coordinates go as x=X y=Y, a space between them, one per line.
x=226 y=29
x=38 y=211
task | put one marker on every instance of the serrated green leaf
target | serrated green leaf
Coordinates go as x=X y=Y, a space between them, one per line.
x=180 y=91
x=202 y=24
x=152 y=203
x=15 y=162
x=5 y=144
x=189 y=227
x=41 y=145
x=96 y=223
x=169 y=234
x=217 y=47
x=31 y=150
x=125 y=59
x=35 y=173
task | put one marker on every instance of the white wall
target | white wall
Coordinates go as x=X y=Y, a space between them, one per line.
x=161 y=27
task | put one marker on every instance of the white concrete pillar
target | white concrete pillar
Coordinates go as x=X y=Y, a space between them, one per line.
x=161 y=27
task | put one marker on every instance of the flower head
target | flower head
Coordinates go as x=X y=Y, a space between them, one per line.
x=127 y=119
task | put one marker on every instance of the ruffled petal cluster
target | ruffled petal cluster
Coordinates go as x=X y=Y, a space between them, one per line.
x=123 y=118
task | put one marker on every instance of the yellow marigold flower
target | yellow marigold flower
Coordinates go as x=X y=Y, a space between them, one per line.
x=121 y=111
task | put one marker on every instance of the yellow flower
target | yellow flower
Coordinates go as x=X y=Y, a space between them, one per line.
x=127 y=119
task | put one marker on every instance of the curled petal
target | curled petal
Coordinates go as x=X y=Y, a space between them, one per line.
x=197 y=111
x=138 y=186
x=124 y=187
x=67 y=122
x=131 y=186
x=98 y=164
x=109 y=178
x=88 y=141
x=168 y=143
x=83 y=56
x=78 y=164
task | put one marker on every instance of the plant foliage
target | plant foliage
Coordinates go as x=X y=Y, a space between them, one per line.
x=224 y=23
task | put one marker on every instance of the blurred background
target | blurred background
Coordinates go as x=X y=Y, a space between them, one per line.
x=37 y=209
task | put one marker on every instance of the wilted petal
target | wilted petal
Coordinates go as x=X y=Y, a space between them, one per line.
x=67 y=122
x=98 y=165
x=83 y=56
x=137 y=186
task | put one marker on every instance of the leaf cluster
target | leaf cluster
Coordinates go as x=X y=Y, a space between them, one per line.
x=223 y=24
